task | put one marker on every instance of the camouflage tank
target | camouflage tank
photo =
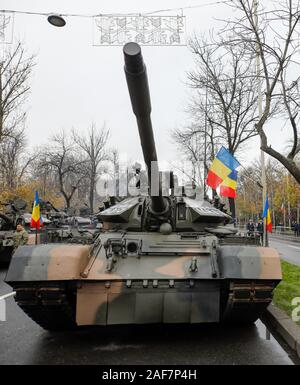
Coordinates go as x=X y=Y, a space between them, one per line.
x=160 y=259
x=9 y=218
x=6 y=237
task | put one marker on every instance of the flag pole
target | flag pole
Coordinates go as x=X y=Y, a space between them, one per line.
x=36 y=216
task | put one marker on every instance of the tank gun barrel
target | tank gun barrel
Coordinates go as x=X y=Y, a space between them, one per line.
x=137 y=82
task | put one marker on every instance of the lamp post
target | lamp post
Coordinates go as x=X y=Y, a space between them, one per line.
x=262 y=154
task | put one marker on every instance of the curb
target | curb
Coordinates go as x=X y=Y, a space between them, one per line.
x=284 y=326
x=284 y=238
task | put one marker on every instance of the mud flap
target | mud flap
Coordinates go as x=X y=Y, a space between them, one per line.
x=99 y=305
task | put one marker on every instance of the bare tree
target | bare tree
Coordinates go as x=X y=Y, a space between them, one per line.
x=93 y=146
x=274 y=37
x=14 y=159
x=198 y=143
x=291 y=105
x=225 y=93
x=68 y=165
x=223 y=107
x=15 y=70
x=190 y=144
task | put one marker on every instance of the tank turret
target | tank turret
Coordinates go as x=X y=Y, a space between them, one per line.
x=155 y=212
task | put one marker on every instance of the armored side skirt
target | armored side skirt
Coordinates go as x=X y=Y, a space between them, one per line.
x=147 y=302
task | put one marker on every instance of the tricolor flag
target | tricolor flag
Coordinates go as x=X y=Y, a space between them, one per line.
x=267 y=216
x=223 y=164
x=36 y=218
x=229 y=185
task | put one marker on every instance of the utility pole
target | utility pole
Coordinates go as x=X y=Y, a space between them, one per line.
x=262 y=154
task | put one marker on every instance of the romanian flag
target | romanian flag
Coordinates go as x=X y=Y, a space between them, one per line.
x=229 y=185
x=223 y=164
x=36 y=219
x=267 y=215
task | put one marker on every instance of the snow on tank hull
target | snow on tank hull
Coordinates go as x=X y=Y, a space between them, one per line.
x=166 y=279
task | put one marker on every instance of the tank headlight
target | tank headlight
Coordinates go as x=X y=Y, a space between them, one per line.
x=132 y=247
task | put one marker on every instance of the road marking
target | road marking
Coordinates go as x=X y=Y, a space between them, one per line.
x=294 y=247
x=7 y=295
x=3 y=305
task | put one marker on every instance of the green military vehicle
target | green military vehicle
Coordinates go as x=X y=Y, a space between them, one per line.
x=6 y=238
x=159 y=259
x=10 y=216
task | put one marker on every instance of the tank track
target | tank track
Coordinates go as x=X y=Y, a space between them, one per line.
x=247 y=301
x=53 y=307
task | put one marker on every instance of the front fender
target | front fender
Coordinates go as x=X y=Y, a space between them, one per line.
x=47 y=262
x=249 y=262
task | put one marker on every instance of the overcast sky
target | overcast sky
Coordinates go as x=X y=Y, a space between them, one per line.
x=75 y=83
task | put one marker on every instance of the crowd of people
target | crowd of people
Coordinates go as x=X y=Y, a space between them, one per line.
x=258 y=227
x=255 y=227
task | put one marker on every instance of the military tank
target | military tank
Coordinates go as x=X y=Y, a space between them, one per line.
x=159 y=259
x=6 y=238
x=10 y=216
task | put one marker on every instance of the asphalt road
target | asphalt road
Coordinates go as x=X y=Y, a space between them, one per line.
x=288 y=250
x=24 y=342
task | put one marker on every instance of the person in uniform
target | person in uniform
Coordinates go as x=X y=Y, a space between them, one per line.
x=20 y=236
x=250 y=228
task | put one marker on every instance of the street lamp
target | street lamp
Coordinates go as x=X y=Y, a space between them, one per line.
x=56 y=20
